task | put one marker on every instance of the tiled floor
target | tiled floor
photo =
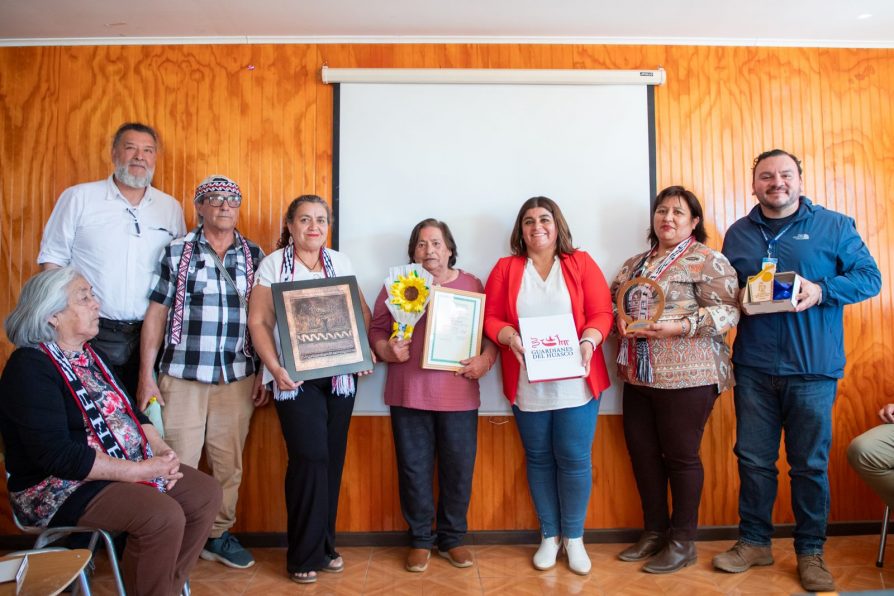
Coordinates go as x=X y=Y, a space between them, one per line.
x=508 y=570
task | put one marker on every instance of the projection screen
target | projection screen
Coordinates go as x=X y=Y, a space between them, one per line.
x=470 y=155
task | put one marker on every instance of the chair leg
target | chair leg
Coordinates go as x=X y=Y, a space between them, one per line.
x=186 y=591
x=83 y=585
x=883 y=539
x=113 y=561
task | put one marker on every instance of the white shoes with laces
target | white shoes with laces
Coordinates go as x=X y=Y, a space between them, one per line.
x=578 y=559
x=545 y=557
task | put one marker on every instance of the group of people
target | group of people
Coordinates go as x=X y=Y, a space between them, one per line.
x=131 y=309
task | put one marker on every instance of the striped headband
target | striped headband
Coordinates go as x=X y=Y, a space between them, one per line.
x=217 y=184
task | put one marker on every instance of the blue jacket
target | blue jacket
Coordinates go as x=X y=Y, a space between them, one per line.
x=824 y=247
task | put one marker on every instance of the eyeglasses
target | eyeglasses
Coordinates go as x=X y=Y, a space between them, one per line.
x=218 y=200
x=136 y=223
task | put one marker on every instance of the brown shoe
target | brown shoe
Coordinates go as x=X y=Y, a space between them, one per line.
x=458 y=556
x=674 y=556
x=648 y=544
x=742 y=556
x=417 y=559
x=815 y=577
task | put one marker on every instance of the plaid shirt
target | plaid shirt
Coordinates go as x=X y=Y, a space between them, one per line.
x=214 y=322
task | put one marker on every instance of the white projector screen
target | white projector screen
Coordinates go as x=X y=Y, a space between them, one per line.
x=470 y=155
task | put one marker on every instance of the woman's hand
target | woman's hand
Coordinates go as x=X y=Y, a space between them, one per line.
x=284 y=381
x=165 y=465
x=586 y=354
x=397 y=350
x=515 y=344
x=475 y=367
x=660 y=330
x=887 y=414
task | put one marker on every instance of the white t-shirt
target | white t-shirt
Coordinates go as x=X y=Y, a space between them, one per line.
x=539 y=298
x=270 y=272
x=116 y=246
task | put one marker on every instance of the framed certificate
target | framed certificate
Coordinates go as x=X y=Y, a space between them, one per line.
x=321 y=329
x=453 y=328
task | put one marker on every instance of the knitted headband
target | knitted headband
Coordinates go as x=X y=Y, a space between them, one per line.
x=217 y=184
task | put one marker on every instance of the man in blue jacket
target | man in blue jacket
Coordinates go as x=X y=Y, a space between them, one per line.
x=787 y=364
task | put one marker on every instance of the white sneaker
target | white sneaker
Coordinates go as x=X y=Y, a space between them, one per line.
x=578 y=559
x=545 y=557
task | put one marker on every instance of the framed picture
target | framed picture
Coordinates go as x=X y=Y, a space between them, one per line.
x=453 y=328
x=321 y=329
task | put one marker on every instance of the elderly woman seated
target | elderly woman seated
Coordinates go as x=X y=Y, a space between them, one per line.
x=77 y=451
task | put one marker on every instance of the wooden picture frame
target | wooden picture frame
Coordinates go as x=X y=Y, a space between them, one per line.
x=321 y=328
x=453 y=329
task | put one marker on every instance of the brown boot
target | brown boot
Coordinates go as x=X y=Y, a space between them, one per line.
x=742 y=556
x=815 y=577
x=673 y=557
x=648 y=544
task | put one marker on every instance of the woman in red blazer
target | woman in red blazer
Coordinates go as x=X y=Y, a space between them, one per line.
x=545 y=276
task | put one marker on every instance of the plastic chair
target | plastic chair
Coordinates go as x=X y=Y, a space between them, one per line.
x=883 y=539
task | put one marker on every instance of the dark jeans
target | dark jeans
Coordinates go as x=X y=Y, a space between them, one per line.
x=421 y=437
x=315 y=426
x=802 y=406
x=663 y=429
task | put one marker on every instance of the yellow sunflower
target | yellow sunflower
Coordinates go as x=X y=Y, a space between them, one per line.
x=409 y=292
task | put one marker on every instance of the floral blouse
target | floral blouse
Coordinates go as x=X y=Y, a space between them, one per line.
x=36 y=505
x=701 y=286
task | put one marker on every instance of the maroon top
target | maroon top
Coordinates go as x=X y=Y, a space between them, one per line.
x=411 y=386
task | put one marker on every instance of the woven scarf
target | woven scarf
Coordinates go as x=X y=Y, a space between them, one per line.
x=92 y=413
x=243 y=258
x=342 y=385
x=640 y=351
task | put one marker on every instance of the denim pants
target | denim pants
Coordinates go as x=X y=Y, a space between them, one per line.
x=420 y=438
x=802 y=407
x=557 y=447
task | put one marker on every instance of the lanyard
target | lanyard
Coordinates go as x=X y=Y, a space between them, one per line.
x=771 y=243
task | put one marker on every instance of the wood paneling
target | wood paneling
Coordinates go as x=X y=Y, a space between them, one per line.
x=261 y=115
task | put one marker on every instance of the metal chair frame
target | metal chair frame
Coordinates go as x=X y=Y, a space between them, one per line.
x=83 y=582
x=883 y=539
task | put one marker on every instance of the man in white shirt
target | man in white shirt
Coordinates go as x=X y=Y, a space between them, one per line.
x=113 y=231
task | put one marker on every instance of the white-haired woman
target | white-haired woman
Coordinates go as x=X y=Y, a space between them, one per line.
x=77 y=451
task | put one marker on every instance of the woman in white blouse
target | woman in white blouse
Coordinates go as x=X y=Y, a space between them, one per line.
x=314 y=415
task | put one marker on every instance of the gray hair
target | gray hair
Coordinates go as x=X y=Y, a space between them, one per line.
x=44 y=295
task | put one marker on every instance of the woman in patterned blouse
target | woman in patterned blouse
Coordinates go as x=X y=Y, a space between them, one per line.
x=673 y=369
x=78 y=453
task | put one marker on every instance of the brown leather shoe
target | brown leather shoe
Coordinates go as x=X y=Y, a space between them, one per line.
x=648 y=544
x=459 y=556
x=742 y=556
x=674 y=556
x=417 y=559
x=815 y=577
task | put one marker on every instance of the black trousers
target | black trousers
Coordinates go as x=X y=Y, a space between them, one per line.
x=422 y=437
x=663 y=429
x=315 y=426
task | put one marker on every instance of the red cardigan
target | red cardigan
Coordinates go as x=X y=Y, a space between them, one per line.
x=591 y=307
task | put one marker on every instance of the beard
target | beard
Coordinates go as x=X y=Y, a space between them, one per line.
x=123 y=175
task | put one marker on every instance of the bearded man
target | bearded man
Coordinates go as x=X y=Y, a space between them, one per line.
x=114 y=231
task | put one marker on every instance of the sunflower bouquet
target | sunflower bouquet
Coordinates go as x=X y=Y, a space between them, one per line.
x=409 y=288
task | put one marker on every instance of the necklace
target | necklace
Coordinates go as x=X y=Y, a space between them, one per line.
x=303 y=262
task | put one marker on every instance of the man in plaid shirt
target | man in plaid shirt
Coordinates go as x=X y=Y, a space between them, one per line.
x=208 y=374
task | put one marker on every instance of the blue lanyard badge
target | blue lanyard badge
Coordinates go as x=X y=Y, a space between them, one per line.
x=771 y=243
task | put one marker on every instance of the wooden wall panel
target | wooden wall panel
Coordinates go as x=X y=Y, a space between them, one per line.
x=261 y=115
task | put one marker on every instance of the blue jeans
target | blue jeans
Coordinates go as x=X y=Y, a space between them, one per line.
x=420 y=438
x=765 y=406
x=557 y=455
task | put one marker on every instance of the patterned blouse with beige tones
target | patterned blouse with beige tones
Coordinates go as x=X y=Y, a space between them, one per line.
x=701 y=286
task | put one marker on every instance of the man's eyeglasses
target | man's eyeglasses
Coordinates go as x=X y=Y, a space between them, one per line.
x=218 y=200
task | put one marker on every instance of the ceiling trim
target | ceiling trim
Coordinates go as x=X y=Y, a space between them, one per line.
x=396 y=39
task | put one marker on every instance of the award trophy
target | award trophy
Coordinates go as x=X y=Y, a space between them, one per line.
x=640 y=302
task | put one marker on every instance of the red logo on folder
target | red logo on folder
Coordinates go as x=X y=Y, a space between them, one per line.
x=548 y=342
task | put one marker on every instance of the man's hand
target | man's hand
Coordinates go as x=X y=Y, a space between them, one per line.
x=259 y=394
x=810 y=295
x=474 y=367
x=146 y=390
x=887 y=414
